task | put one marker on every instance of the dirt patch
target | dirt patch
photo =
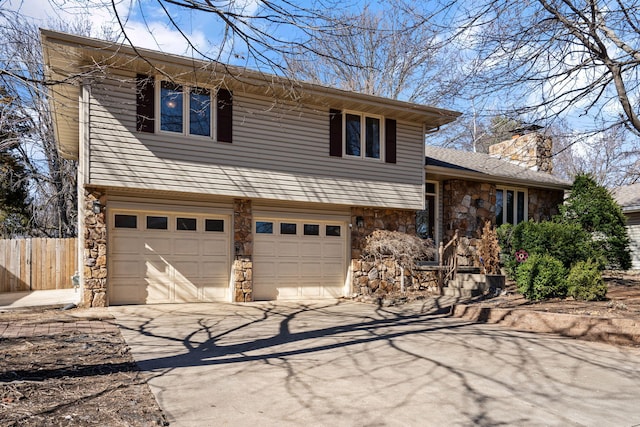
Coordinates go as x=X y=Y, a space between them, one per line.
x=623 y=300
x=59 y=369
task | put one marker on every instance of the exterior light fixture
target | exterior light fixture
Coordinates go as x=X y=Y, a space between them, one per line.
x=359 y=222
x=96 y=207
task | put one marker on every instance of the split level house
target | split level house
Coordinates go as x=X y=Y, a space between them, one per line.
x=200 y=181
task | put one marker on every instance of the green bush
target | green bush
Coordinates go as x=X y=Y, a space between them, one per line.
x=585 y=282
x=542 y=277
x=566 y=242
x=593 y=207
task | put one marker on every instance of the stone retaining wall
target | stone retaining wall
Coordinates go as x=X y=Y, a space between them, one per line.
x=379 y=277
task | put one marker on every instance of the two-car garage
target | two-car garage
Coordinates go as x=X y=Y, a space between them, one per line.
x=164 y=255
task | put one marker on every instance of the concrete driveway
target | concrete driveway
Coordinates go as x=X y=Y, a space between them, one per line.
x=352 y=364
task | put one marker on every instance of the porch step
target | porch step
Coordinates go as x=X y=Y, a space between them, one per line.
x=466 y=285
x=460 y=293
x=469 y=281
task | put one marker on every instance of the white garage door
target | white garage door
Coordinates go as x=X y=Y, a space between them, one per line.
x=299 y=259
x=168 y=257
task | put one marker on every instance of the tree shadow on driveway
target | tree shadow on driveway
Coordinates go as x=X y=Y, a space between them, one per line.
x=357 y=364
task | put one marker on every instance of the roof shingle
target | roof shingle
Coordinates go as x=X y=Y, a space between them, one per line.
x=487 y=166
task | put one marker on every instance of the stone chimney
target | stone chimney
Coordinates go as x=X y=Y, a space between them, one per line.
x=532 y=150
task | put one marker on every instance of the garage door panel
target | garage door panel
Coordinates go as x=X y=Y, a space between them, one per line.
x=311 y=291
x=130 y=244
x=158 y=288
x=287 y=269
x=127 y=293
x=158 y=246
x=185 y=291
x=311 y=268
x=264 y=248
x=160 y=266
x=185 y=269
x=214 y=293
x=126 y=269
x=333 y=250
x=299 y=266
x=287 y=249
x=215 y=247
x=311 y=249
x=287 y=291
x=186 y=247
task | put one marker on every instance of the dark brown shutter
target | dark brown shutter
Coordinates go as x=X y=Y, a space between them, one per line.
x=335 y=133
x=390 y=141
x=225 y=116
x=145 y=96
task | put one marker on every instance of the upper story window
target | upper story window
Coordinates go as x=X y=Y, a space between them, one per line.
x=362 y=135
x=354 y=134
x=511 y=206
x=185 y=109
x=188 y=110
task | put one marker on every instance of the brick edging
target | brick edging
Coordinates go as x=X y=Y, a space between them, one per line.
x=608 y=330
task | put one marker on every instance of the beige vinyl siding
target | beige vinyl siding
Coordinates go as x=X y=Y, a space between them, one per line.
x=279 y=152
x=633 y=228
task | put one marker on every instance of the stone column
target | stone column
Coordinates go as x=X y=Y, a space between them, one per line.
x=243 y=250
x=95 y=252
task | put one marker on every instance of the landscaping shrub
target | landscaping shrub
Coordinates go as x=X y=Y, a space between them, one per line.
x=585 y=282
x=541 y=277
x=593 y=207
x=566 y=242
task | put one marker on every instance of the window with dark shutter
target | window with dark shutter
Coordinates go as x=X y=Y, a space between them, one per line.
x=225 y=116
x=390 y=141
x=335 y=133
x=145 y=94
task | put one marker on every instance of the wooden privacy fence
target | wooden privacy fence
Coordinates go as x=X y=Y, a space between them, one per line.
x=37 y=264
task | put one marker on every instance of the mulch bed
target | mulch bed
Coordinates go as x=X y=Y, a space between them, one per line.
x=56 y=369
x=623 y=300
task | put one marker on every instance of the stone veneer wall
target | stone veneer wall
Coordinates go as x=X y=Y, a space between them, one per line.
x=532 y=151
x=378 y=219
x=468 y=204
x=375 y=278
x=95 y=252
x=543 y=204
x=466 y=207
x=243 y=247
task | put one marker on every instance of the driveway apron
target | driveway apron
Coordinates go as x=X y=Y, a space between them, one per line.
x=352 y=364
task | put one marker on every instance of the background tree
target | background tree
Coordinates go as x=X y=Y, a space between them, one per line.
x=545 y=60
x=50 y=179
x=593 y=207
x=14 y=209
x=383 y=52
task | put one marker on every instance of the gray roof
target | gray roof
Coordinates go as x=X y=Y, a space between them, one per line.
x=483 y=166
x=628 y=196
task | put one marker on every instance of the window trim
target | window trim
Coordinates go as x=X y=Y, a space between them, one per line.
x=186 y=110
x=515 y=190
x=363 y=136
